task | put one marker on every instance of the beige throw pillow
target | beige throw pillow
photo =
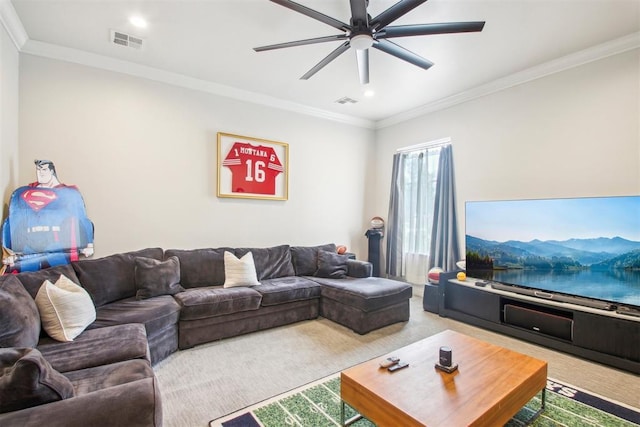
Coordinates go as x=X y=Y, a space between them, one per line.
x=66 y=309
x=239 y=272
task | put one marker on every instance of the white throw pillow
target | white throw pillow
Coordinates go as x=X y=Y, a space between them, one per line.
x=239 y=272
x=66 y=309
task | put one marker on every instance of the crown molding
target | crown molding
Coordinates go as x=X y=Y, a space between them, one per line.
x=51 y=51
x=16 y=31
x=601 y=51
x=12 y=24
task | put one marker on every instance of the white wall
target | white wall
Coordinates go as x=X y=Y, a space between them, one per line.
x=143 y=154
x=571 y=134
x=9 y=61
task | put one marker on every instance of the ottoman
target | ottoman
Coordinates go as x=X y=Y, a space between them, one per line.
x=364 y=304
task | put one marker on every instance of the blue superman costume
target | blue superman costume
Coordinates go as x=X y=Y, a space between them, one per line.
x=47 y=226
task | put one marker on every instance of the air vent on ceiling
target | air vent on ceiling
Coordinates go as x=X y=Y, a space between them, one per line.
x=126 y=40
x=346 y=100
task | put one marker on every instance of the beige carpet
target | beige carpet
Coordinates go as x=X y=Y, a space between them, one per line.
x=218 y=378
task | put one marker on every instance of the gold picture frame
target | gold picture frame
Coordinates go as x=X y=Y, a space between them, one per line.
x=252 y=168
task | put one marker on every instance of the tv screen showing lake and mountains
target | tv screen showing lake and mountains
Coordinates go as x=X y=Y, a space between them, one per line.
x=588 y=247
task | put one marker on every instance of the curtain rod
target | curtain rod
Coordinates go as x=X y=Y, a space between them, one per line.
x=431 y=144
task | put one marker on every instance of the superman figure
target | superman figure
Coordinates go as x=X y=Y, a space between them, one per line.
x=47 y=224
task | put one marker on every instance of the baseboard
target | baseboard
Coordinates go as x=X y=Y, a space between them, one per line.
x=418 y=290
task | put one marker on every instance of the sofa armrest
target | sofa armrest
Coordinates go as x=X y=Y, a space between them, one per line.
x=97 y=347
x=359 y=269
x=132 y=404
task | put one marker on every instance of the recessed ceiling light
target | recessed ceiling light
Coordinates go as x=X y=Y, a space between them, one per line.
x=138 y=21
x=369 y=93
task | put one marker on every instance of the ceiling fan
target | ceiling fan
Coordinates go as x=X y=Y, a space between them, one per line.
x=364 y=32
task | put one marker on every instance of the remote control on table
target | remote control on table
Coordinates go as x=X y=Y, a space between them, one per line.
x=390 y=361
x=398 y=366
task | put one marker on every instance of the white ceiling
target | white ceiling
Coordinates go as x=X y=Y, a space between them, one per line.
x=212 y=41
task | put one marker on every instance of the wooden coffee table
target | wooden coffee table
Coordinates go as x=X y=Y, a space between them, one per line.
x=490 y=386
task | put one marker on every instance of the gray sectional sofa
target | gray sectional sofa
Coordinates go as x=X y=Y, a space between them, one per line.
x=153 y=302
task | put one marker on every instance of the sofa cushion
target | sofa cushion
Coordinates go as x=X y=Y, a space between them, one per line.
x=331 y=265
x=106 y=376
x=156 y=314
x=366 y=294
x=136 y=403
x=96 y=347
x=155 y=277
x=239 y=272
x=65 y=309
x=271 y=262
x=305 y=258
x=287 y=289
x=32 y=280
x=202 y=303
x=19 y=317
x=111 y=278
x=27 y=379
x=200 y=267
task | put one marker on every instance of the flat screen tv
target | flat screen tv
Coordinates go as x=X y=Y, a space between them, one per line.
x=573 y=250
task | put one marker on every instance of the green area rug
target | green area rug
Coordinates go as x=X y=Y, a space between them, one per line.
x=318 y=405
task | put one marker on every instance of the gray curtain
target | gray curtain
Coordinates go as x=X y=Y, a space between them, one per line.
x=395 y=220
x=410 y=210
x=445 y=248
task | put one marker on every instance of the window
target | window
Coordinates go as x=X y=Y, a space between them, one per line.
x=420 y=178
x=416 y=185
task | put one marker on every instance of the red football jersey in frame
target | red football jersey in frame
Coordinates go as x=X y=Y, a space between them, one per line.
x=253 y=168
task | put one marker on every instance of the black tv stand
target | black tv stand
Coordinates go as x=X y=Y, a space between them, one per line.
x=602 y=333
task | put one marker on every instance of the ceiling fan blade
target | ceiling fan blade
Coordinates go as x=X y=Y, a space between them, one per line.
x=333 y=55
x=362 y=55
x=313 y=14
x=394 y=12
x=429 y=29
x=359 y=12
x=402 y=53
x=301 y=42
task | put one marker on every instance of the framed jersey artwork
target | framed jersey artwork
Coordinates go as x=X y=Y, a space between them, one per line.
x=252 y=168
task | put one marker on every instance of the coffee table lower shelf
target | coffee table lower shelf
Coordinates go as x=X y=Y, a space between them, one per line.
x=358 y=417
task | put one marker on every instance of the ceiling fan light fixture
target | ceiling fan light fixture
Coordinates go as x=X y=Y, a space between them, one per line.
x=361 y=41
